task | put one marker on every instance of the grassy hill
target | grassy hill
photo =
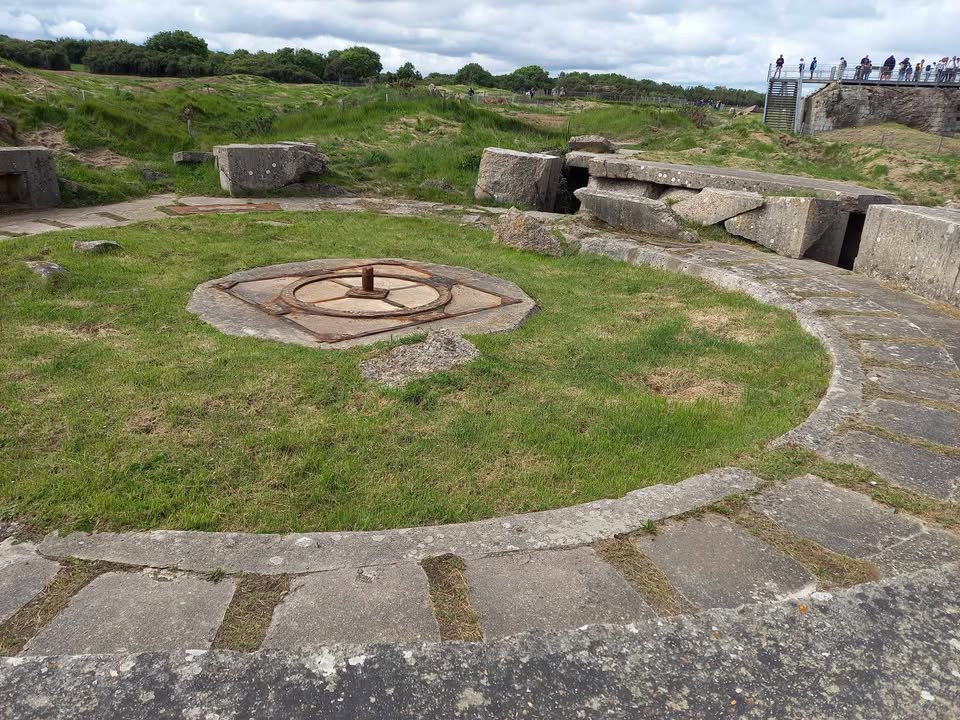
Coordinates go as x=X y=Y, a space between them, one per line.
x=107 y=130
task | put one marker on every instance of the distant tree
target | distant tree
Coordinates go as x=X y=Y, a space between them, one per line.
x=473 y=74
x=529 y=76
x=178 y=41
x=75 y=49
x=407 y=73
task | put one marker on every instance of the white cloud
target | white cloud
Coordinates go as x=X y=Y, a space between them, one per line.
x=681 y=41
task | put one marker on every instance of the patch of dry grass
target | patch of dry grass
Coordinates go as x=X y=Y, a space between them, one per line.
x=248 y=616
x=451 y=600
x=643 y=576
x=685 y=386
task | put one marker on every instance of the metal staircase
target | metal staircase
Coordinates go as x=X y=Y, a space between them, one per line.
x=782 y=106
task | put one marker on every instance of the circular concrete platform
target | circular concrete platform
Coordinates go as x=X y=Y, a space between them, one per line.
x=344 y=302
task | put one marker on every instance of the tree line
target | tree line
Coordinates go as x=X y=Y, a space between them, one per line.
x=179 y=53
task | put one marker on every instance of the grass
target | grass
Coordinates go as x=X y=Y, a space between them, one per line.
x=125 y=411
x=248 y=616
x=643 y=576
x=451 y=599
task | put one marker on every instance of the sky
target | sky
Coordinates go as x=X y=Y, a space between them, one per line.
x=722 y=42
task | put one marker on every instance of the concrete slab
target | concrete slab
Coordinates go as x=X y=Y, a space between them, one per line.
x=389 y=603
x=23 y=576
x=136 y=612
x=629 y=211
x=852 y=198
x=915 y=383
x=767 y=269
x=924 y=356
x=919 y=470
x=877 y=327
x=803 y=287
x=841 y=520
x=549 y=590
x=715 y=563
x=916 y=421
x=928 y=549
x=531 y=180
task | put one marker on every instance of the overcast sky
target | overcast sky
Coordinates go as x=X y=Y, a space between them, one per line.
x=725 y=42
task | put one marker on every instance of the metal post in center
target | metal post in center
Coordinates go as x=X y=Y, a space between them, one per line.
x=367 y=279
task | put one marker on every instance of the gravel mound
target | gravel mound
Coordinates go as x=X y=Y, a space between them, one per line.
x=441 y=350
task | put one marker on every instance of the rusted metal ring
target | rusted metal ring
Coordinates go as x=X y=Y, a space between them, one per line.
x=289 y=297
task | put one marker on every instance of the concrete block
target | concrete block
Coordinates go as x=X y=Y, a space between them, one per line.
x=23 y=575
x=630 y=212
x=252 y=169
x=787 y=225
x=715 y=563
x=671 y=194
x=712 y=205
x=192 y=157
x=28 y=178
x=829 y=246
x=904 y=353
x=910 y=383
x=389 y=603
x=917 y=248
x=593 y=144
x=527 y=179
x=877 y=327
x=549 y=590
x=136 y=612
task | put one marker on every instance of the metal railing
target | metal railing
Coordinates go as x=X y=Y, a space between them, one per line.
x=876 y=75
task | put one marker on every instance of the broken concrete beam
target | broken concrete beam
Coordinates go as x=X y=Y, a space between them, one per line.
x=851 y=197
x=528 y=179
x=712 y=205
x=593 y=144
x=917 y=248
x=671 y=194
x=578 y=159
x=629 y=211
x=787 y=225
x=628 y=187
x=28 y=178
x=251 y=169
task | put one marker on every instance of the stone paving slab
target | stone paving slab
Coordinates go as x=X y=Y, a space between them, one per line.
x=715 y=563
x=916 y=383
x=549 y=590
x=23 y=576
x=768 y=269
x=268 y=554
x=923 y=356
x=928 y=549
x=919 y=470
x=368 y=605
x=803 y=287
x=916 y=421
x=841 y=520
x=877 y=326
x=136 y=612
x=844 y=305
x=886 y=650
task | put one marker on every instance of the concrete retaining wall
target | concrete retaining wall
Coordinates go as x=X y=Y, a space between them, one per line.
x=839 y=106
x=28 y=178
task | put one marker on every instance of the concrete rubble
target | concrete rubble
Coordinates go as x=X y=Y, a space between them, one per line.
x=530 y=180
x=249 y=169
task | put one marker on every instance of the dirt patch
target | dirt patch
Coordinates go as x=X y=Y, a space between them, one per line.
x=542 y=119
x=760 y=137
x=684 y=386
x=54 y=138
x=451 y=601
x=145 y=422
x=725 y=324
x=423 y=127
x=84 y=331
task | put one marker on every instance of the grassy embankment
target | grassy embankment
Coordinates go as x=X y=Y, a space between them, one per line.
x=381 y=142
